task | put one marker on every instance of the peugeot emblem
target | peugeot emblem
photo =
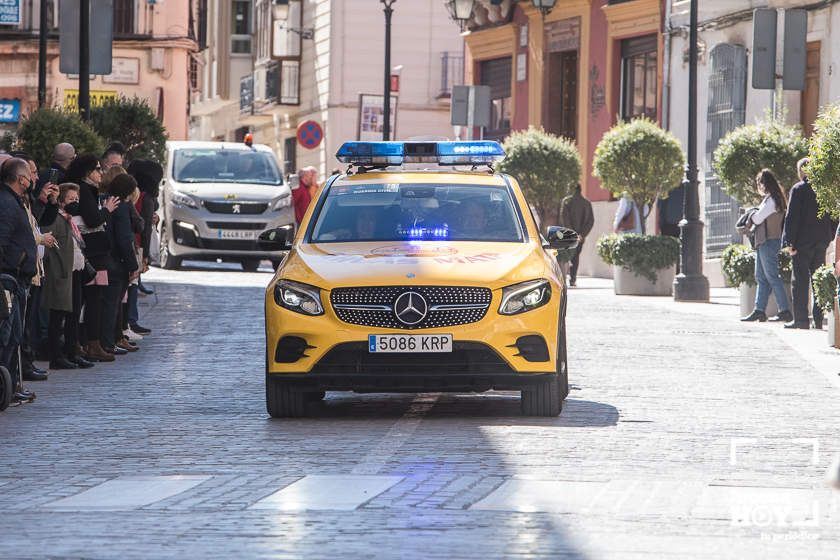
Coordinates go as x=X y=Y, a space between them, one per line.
x=237 y=208
x=411 y=308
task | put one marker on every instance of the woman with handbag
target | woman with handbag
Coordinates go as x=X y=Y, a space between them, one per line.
x=767 y=224
x=86 y=172
x=62 y=291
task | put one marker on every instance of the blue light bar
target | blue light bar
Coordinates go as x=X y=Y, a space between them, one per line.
x=482 y=152
x=371 y=153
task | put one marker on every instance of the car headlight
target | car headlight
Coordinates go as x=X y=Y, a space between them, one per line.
x=281 y=203
x=181 y=199
x=298 y=297
x=526 y=296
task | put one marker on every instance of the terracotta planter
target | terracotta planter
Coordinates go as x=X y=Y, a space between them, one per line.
x=628 y=283
x=748 y=300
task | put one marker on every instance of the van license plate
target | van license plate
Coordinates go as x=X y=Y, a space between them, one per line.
x=237 y=234
x=410 y=343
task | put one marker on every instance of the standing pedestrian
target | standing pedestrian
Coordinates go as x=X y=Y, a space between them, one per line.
x=18 y=254
x=628 y=219
x=808 y=234
x=767 y=226
x=86 y=172
x=576 y=213
x=300 y=194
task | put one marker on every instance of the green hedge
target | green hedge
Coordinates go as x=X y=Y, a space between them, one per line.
x=641 y=254
x=825 y=287
x=824 y=168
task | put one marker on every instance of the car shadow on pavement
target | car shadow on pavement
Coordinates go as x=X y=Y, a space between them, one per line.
x=501 y=406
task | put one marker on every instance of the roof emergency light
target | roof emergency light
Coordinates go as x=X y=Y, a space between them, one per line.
x=483 y=152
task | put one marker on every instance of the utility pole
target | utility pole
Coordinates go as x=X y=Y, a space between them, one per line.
x=42 y=55
x=84 y=59
x=690 y=284
x=386 y=99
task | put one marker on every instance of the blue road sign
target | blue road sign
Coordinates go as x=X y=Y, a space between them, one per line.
x=9 y=110
x=10 y=12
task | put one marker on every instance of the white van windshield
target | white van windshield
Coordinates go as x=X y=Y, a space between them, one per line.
x=212 y=165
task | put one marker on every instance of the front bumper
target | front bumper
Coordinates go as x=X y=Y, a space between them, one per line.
x=196 y=231
x=336 y=353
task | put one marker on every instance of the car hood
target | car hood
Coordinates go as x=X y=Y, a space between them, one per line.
x=232 y=191
x=492 y=265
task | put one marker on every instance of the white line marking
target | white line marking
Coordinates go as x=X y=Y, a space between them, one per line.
x=400 y=432
x=128 y=492
x=327 y=492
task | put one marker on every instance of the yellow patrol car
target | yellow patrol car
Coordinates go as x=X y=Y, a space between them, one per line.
x=417 y=281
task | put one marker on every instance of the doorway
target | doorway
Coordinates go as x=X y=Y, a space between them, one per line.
x=811 y=96
x=562 y=94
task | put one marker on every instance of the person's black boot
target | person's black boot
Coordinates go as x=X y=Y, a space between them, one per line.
x=62 y=363
x=29 y=375
x=81 y=363
x=756 y=315
x=783 y=317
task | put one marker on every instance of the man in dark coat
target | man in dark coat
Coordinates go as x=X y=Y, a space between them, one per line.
x=18 y=252
x=576 y=213
x=44 y=206
x=808 y=234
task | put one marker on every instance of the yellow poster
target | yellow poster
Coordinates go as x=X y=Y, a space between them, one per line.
x=97 y=97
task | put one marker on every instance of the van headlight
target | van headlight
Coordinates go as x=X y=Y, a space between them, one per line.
x=301 y=298
x=181 y=199
x=282 y=202
x=526 y=296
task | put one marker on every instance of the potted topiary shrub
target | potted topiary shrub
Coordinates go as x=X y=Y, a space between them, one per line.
x=643 y=265
x=647 y=163
x=738 y=263
x=824 y=284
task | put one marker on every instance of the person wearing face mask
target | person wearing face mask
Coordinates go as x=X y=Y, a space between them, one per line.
x=60 y=291
x=86 y=172
x=18 y=256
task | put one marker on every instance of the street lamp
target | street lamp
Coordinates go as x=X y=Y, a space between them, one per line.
x=690 y=284
x=386 y=98
x=544 y=6
x=460 y=11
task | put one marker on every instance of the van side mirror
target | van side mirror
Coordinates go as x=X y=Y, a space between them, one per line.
x=277 y=239
x=562 y=238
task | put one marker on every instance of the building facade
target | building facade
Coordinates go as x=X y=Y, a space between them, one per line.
x=320 y=62
x=726 y=98
x=574 y=72
x=151 y=60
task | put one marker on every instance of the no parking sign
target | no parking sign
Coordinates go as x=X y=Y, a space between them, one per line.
x=310 y=134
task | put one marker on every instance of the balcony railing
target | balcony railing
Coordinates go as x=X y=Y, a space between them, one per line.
x=451 y=72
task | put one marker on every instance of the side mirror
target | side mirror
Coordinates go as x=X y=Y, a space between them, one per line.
x=277 y=239
x=562 y=238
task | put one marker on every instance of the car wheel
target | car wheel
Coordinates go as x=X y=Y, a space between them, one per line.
x=543 y=398
x=167 y=261
x=563 y=361
x=6 y=389
x=282 y=399
x=250 y=265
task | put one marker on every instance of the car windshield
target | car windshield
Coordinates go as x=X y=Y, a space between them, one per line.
x=211 y=165
x=401 y=212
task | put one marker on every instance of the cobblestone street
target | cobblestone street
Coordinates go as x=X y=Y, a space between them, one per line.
x=686 y=435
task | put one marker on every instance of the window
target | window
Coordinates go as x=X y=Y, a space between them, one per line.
x=202 y=24
x=263 y=29
x=638 y=77
x=124 y=17
x=193 y=74
x=496 y=73
x=240 y=35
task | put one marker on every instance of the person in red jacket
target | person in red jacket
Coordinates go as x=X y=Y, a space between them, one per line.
x=300 y=194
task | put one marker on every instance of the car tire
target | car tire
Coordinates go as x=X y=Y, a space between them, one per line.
x=282 y=399
x=6 y=389
x=543 y=398
x=250 y=265
x=167 y=261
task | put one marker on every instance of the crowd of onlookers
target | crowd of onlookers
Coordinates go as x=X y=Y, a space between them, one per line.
x=74 y=240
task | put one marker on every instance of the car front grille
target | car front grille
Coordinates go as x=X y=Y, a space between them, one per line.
x=249 y=226
x=245 y=208
x=466 y=357
x=374 y=306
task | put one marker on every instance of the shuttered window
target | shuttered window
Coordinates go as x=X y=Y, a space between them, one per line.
x=497 y=74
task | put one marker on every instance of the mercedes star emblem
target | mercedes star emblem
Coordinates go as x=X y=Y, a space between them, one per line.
x=411 y=308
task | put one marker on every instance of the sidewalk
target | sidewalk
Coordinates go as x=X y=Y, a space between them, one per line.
x=811 y=345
